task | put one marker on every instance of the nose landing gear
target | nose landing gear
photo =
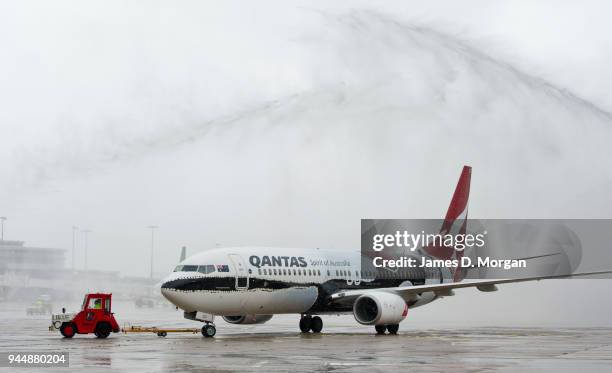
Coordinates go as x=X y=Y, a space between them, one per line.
x=309 y=323
x=209 y=330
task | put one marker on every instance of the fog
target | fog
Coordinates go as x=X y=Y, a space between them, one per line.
x=285 y=123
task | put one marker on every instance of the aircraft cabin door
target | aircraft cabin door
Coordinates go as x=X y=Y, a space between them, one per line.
x=240 y=271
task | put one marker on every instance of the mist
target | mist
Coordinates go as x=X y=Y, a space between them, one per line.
x=284 y=124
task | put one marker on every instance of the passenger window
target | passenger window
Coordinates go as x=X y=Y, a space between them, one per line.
x=284 y=272
x=274 y=271
x=318 y=272
x=294 y=271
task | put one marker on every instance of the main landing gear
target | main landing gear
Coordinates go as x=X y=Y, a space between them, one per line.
x=391 y=328
x=209 y=330
x=309 y=323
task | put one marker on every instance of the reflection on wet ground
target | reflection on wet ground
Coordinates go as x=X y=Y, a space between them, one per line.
x=344 y=346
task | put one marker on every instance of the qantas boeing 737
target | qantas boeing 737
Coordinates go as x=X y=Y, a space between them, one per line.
x=249 y=285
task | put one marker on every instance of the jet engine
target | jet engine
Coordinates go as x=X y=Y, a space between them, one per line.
x=247 y=319
x=380 y=308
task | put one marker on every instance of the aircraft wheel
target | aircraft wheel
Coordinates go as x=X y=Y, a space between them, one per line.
x=209 y=330
x=316 y=324
x=306 y=323
x=393 y=328
x=68 y=330
x=380 y=329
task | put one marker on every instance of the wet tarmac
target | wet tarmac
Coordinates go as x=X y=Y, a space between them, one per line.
x=343 y=346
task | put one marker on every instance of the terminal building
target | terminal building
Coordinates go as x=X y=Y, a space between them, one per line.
x=29 y=273
x=35 y=262
x=26 y=272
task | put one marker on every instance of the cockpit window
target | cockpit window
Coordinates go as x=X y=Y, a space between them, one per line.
x=178 y=268
x=206 y=269
x=190 y=268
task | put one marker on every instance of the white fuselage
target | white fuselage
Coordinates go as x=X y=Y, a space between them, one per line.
x=266 y=281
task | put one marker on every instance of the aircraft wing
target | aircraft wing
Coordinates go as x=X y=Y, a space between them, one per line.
x=412 y=292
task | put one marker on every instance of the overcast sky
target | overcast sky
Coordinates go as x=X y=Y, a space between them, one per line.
x=283 y=123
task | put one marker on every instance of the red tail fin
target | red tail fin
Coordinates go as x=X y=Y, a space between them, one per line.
x=455 y=221
x=457 y=213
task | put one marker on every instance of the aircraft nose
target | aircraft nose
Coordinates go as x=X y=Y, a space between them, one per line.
x=166 y=293
x=172 y=289
x=167 y=287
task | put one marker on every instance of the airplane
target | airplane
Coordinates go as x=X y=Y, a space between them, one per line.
x=248 y=285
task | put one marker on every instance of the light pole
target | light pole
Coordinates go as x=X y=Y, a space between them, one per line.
x=74 y=233
x=85 y=234
x=152 y=228
x=2 y=219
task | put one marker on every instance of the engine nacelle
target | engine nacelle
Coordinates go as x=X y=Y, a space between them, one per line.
x=380 y=308
x=247 y=319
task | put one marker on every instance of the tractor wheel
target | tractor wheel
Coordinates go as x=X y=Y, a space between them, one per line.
x=68 y=330
x=103 y=330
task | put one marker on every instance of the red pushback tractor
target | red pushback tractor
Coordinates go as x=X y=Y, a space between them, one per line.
x=95 y=317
